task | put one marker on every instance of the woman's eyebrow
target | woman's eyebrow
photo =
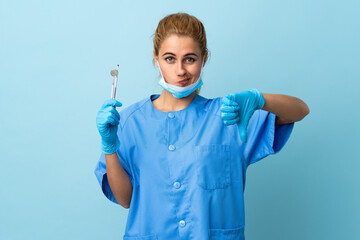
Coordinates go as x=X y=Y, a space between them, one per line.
x=175 y=55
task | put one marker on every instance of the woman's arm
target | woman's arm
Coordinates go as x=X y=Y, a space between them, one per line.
x=287 y=109
x=119 y=181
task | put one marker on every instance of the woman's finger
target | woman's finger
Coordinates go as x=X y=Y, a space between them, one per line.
x=231 y=121
x=229 y=108
x=112 y=120
x=228 y=116
x=111 y=102
x=115 y=113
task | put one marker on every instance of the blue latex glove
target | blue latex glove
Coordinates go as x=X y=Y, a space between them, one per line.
x=107 y=121
x=237 y=108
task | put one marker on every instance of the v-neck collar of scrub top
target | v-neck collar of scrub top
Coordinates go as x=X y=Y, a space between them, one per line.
x=191 y=117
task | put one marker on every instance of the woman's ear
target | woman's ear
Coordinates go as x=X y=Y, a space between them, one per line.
x=205 y=57
x=155 y=59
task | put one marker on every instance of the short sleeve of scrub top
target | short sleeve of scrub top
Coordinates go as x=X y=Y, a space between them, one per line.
x=188 y=169
x=264 y=137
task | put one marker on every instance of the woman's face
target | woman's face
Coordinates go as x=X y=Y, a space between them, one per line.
x=180 y=60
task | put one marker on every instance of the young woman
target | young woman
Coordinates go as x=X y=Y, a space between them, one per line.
x=178 y=160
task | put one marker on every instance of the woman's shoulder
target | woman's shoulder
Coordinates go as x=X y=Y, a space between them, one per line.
x=128 y=111
x=211 y=104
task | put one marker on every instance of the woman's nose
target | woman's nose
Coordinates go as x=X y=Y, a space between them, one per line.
x=180 y=69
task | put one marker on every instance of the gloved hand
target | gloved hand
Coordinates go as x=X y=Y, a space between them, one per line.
x=107 y=121
x=239 y=107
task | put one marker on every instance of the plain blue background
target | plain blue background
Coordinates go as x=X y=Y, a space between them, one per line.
x=55 y=59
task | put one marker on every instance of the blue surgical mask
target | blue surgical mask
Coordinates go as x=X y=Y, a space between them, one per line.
x=180 y=92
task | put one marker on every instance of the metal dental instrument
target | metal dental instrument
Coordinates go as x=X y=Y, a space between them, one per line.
x=115 y=74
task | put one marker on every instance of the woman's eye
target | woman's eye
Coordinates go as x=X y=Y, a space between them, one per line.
x=168 y=58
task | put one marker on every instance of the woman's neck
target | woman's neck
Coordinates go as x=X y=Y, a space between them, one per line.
x=167 y=102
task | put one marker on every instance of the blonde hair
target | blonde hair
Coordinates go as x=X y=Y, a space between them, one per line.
x=182 y=24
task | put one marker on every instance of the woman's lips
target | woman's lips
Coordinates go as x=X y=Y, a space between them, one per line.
x=185 y=81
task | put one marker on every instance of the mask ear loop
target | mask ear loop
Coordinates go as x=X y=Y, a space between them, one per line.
x=158 y=65
x=202 y=66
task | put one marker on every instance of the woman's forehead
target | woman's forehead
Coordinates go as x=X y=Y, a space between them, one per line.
x=179 y=45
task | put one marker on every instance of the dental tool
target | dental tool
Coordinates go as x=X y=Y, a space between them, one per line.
x=115 y=74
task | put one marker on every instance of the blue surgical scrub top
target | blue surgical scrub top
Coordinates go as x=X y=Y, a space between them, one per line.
x=187 y=169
